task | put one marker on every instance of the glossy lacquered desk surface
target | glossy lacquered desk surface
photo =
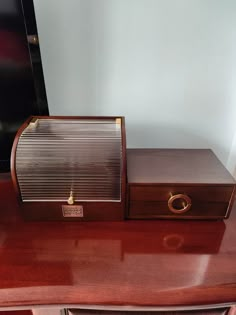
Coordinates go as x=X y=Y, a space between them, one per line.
x=134 y=263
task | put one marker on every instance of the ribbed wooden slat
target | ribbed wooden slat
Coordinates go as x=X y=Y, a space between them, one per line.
x=57 y=156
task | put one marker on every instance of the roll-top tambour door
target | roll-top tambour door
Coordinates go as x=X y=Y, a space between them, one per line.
x=56 y=158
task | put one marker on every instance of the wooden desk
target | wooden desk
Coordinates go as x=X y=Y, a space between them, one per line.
x=124 y=265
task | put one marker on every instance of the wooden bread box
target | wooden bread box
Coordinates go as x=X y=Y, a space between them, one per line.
x=178 y=184
x=70 y=168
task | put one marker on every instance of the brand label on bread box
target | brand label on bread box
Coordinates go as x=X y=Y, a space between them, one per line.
x=72 y=211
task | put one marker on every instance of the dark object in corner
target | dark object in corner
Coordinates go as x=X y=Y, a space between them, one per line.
x=22 y=89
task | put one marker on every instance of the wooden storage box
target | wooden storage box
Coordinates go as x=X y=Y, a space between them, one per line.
x=178 y=184
x=70 y=168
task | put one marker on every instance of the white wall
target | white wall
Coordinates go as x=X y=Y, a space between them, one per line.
x=168 y=66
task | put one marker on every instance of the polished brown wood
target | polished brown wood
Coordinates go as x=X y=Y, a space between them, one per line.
x=165 y=265
x=93 y=211
x=154 y=175
x=220 y=311
x=24 y=312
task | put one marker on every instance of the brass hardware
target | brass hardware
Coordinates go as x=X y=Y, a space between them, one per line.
x=33 y=39
x=187 y=203
x=70 y=200
x=118 y=121
x=33 y=122
x=72 y=211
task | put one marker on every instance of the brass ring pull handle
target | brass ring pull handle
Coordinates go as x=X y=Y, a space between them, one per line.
x=186 y=203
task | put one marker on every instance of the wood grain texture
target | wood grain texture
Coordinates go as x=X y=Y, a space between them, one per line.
x=130 y=263
x=189 y=166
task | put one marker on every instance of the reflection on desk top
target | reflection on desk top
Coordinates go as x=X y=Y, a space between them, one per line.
x=148 y=263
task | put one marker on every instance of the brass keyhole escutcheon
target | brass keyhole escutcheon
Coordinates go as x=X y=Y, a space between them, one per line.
x=183 y=199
